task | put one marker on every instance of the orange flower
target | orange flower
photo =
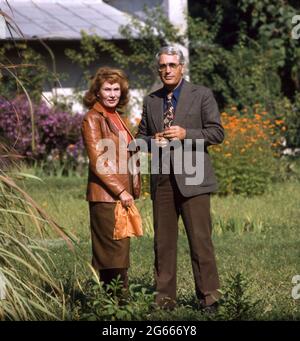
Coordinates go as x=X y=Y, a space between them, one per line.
x=257 y=116
x=279 y=122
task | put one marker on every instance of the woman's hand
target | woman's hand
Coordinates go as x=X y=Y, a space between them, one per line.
x=126 y=199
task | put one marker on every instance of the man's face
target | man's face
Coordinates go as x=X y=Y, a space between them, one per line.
x=170 y=71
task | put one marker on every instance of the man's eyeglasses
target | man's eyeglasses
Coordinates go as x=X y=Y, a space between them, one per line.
x=163 y=67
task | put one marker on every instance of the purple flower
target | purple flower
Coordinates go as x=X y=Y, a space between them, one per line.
x=55 y=130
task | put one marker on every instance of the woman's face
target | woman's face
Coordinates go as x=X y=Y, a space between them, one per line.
x=110 y=94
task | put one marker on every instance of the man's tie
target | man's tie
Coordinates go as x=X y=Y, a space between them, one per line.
x=169 y=113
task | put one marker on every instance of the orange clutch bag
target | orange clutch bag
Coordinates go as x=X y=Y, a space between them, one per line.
x=128 y=222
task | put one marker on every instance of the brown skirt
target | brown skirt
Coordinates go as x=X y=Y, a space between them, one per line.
x=107 y=252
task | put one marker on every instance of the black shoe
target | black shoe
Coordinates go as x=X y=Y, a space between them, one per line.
x=166 y=304
x=208 y=309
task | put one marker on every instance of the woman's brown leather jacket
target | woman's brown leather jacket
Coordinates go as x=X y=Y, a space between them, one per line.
x=96 y=125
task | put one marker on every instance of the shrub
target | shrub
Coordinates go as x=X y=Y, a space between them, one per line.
x=237 y=303
x=57 y=136
x=289 y=111
x=246 y=161
x=106 y=304
x=31 y=72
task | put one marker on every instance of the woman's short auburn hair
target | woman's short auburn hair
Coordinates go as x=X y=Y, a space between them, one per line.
x=110 y=75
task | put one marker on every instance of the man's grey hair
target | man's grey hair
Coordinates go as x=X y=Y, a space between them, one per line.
x=170 y=50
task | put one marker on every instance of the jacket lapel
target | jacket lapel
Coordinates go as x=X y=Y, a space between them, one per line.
x=128 y=131
x=99 y=108
x=125 y=126
x=157 y=110
x=185 y=101
x=186 y=97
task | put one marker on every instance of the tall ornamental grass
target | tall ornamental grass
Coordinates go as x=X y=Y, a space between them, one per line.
x=28 y=290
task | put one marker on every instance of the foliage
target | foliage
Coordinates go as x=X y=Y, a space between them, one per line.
x=245 y=74
x=247 y=55
x=111 y=305
x=31 y=71
x=245 y=162
x=28 y=290
x=234 y=76
x=289 y=112
x=267 y=23
x=237 y=303
x=58 y=142
x=238 y=226
x=271 y=25
x=143 y=39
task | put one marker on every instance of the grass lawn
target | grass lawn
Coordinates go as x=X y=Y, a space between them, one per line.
x=257 y=237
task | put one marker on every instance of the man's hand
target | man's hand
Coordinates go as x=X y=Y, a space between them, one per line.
x=160 y=141
x=126 y=199
x=174 y=133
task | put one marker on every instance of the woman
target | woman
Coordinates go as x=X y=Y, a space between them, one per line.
x=108 y=93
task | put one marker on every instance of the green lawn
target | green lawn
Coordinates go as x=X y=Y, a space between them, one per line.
x=258 y=237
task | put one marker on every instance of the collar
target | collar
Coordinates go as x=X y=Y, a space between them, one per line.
x=176 y=91
x=100 y=109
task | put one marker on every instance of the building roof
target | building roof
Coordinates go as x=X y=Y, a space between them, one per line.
x=64 y=19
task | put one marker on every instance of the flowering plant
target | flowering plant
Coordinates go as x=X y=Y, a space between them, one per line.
x=57 y=136
x=246 y=161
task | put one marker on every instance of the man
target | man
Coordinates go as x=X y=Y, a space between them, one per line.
x=181 y=111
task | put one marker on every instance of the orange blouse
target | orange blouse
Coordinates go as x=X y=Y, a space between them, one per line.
x=114 y=117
